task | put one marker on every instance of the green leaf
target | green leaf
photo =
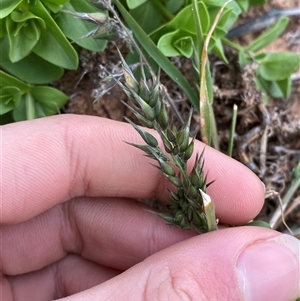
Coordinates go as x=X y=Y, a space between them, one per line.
x=8 y=80
x=9 y=98
x=135 y=3
x=276 y=89
x=67 y=23
x=183 y=20
x=7 y=6
x=26 y=110
x=54 y=5
x=227 y=19
x=176 y=43
x=144 y=13
x=268 y=36
x=244 y=4
x=219 y=50
x=49 y=98
x=39 y=102
x=278 y=66
x=19 y=113
x=156 y=54
x=204 y=17
x=185 y=46
x=23 y=31
x=31 y=69
x=53 y=46
x=285 y=87
x=174 y=6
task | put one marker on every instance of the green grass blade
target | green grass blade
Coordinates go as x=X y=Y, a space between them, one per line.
x=158 y=57
x=232 y=130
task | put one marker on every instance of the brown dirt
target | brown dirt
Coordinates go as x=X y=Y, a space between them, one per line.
x=267 y=138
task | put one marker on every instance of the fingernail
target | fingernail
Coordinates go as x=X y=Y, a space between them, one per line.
x=270 y=270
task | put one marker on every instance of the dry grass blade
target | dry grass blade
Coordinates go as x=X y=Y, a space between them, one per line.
x=207 y=119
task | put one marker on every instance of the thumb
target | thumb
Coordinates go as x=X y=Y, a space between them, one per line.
x=245 y=263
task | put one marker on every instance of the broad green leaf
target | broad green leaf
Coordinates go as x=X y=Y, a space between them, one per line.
x=27 y=109
x=67 y=23
x=244 y=4
x=165 y=45
x=174 y=6
x=285 y=86
x=49 y=97
x=264 y=86
x=147 y=16
x=53 y=46
x=8 y=80
x=185 y=46
x=54 y=5
x=278 y=66
x=272 y=89
x=23 y=35
x=31 y=69
x=276 y=89
x=227 y=19
x=135 y=3
x=183 y=20
x=9 y=98
x=218 y=49
x=159 y=58
x=20 y=16
x=269 y=35
x=39 y=102
x=19 y=113
x=204 y=17
x=7 y=6
x=199 y=33
x=176 y=43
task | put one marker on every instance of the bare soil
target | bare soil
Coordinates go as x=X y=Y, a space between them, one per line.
x=267 y=138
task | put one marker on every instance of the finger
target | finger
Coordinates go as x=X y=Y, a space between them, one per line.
x=111 y=232
x=66 y=277
x=50 y=160
x=244 y=263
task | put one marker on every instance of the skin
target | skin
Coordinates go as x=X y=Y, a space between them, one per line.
x=70 y=224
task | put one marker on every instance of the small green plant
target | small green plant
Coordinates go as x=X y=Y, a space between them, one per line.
x=27 y=101
x=35 y=50
x=274 y=70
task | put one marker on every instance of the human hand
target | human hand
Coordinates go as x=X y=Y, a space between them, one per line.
x=70 y=224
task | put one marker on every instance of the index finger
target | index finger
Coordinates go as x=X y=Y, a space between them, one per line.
x=48 y=161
